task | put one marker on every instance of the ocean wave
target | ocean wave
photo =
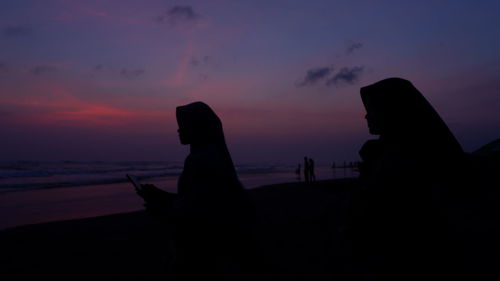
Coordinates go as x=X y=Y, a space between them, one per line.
x=24 y=175
x=5 y=187
x=22 y=170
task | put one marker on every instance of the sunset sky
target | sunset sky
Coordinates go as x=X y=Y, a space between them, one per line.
x=100 y=79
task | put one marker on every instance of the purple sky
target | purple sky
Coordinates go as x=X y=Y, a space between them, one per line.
x=100 y=80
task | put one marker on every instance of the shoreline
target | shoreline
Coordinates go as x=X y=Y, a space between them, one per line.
x=42 y=186
x=133 y=246
x=122 y=194
x=276 y=186
x=76 y=185
x=16 y=187
x=55 y=204
x=302 y=232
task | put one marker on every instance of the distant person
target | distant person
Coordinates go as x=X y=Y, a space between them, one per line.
x=211 y=213
x=405 y=172
x=312 y=174
x=307 y=170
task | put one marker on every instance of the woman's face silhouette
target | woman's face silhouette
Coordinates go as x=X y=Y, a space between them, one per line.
x=184 y=130
x=373 y=125
x=198 y=125
x=183 y=136
x=373 y=117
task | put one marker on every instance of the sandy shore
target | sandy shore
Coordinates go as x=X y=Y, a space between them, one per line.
x=300 y=227
x=75 y=202
x=301 y=232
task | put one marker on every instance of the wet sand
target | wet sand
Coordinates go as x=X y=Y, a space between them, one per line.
x=66 y=203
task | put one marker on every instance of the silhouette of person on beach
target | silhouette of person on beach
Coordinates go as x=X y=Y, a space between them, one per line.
x=312 y=175
x=405 y=173
x=307 y=175
x=211 y=213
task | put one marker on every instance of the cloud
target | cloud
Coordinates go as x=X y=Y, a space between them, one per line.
x=97 y=67
x=178 y=14
x=315 y=75
x=43 y=69
x=354 y=46
x=199 y=61
x=15 y=31
x=131 y=73
x=346 y=75
x=194 y=62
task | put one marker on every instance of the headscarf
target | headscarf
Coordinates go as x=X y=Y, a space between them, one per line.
x=209 y=183
x=205 y=129
x=212 y=211
x=411 y=127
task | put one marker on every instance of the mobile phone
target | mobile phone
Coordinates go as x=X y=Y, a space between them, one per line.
x=135 y=181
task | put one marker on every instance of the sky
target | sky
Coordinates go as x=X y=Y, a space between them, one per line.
x=100 y=79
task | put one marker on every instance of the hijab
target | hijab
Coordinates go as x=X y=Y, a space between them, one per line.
x=412 y=133
x=209 y=180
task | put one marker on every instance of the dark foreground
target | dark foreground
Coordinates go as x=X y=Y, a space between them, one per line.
x=302 y=232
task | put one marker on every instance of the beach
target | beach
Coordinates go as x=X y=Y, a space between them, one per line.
x=40 y=205
x=302 y=232
x=300 y=229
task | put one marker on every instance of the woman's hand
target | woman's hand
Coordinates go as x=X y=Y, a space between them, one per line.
x=150 y=193
x=157 y=202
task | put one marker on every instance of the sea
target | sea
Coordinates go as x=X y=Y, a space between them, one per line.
x=25 y=175
x=42 y=191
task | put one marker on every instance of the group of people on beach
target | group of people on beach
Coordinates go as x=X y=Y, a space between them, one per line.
x=397 y=216
x=309 y=173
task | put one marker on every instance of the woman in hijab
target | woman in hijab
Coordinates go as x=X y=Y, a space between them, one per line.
x=211 y=213
x=412 y=135
x=406 y=174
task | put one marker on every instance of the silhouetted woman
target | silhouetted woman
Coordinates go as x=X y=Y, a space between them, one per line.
x=414 y=139
x=211 y=213
x=406 y=173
